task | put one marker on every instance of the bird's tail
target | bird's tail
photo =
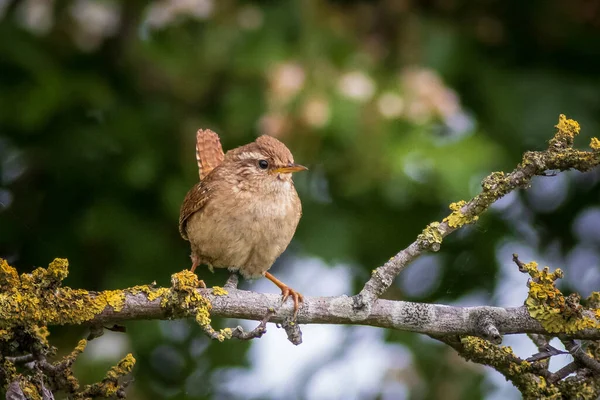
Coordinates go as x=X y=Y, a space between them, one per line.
x=209 y=152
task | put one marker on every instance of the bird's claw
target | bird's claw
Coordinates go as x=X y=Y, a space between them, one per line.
x=297 y=297
x=195 y=263
x=286 y=292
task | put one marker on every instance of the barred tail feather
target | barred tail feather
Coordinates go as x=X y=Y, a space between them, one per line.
x=209 y=152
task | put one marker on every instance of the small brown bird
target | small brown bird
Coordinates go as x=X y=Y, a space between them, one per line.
x=244 y=211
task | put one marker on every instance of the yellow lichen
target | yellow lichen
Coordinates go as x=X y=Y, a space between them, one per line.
x=431 y=236
x=58 y=269
x=223 y=334
x=8 y=275
x=595 y=144
x=219 y=291
x=547 y=304
x=81 y=345
x=593 y=302
x=457 y=218
x=183 y=299
x=227 y=332
x=203 y=316
x=567 y=129
x=495 y=355
x=36 y=299
x=10 y=370
x=29 y=390
x=150 y=292
x=581 y=389
x=124 y=367
x=109 y=386
x=184 y=280
x=114 y=298
x=29 y=302
x=567 y=126
x=494 y=180
x=6 y=335
x=503 y=359
x=41 y=333
x=457 y=205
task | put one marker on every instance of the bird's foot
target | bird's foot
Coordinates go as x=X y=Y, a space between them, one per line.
x=201 y=283
x=193 y=268
x=286 y=292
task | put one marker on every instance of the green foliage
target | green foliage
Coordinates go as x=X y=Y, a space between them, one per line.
x=398 y=110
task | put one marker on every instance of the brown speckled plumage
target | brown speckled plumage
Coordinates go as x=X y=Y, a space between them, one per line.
x=209 y=152
x=241 y=216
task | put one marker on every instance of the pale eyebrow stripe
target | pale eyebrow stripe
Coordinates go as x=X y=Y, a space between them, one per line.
x=250 y=155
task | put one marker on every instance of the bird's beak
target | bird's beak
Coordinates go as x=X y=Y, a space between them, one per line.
x=290 y=168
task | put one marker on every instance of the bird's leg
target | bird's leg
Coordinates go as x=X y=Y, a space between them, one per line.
x=286 y=292
x=195 y=263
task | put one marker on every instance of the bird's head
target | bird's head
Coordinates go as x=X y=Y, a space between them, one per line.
x=266 y=160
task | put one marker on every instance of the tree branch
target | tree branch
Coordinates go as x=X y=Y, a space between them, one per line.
x=31 y=302
x=432 y=319
x=580 y=355
x=559 y=156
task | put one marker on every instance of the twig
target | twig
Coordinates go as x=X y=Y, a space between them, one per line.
x=580 y=356
x=21 y=359
x=96 y=331
x=232 y=281
x=559 y=156
x=116 y=328
x=541 y=341
x=546 y=352
x=562 y=373
x=257 y=332
x=14 y=391
x=520 y=264
x=292 y=329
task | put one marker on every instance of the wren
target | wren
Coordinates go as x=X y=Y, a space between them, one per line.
x=244 y=212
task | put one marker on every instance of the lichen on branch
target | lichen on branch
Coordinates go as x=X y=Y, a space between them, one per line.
x=502 y=359
x=533 y=379
x=184 y=300
x=28 y=300
x=457 y=219
x=32 y=376
x=31 y=301
x=111 y=386
x=560 y=155
x=556 y=312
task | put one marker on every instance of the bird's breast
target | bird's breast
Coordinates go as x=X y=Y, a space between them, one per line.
x=276 y=201
x=246 y=230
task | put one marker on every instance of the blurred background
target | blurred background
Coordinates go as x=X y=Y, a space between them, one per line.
x=398 y=108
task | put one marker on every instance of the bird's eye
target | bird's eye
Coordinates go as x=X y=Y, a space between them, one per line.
x=263 y=164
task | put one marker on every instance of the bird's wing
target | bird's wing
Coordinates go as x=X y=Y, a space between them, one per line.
x=209 y=152
x=194 y=200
